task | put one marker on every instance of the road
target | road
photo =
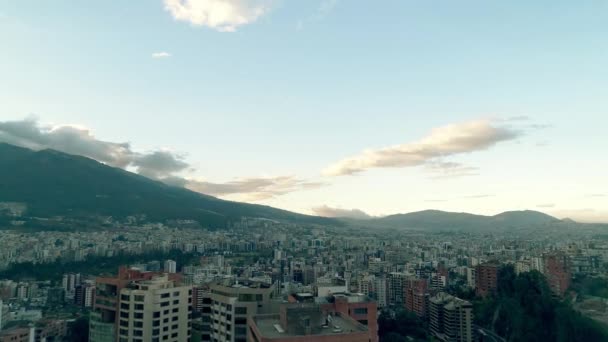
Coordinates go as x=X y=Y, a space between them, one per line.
x=488 y=335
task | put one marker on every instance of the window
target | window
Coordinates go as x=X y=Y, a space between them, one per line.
x=360 y=311
x=175 y=318
x=124 y=323
x=241 y=310
x=175 y=294
x=156 y=314
x=124 y=314
x=176 y=301
x=138 y=324
x=174 y=327
x=363 y=321
x=125 y=297
x=124 y=306
x=240 y=321
x=165 y=320
x=156 y=323
x=174 y=335
x=166 y=312
x=155 y=332
x=124 y=332
x=175 y=310
x=163 y=304
x=138 y=332
x=139 y=298
x=138 y=315
x=165 y=295
x=229 y=307
x=139 y=306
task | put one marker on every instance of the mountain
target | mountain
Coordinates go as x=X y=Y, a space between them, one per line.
x=52 y=184
x=442 y=220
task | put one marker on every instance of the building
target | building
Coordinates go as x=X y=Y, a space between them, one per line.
x=450 y=318
x=305 y=322
x=417 y=296
x=170 y=266
x=84 y=294
x=16 y=334
x=396 y=285
x=227 y=305
x=557 y=272
x=155 y=310
x=486 y=278
x=355 y=305
x=104 y=319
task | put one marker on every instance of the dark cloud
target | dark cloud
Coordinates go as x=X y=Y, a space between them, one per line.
x=159 y=164
x=69 y=139
x=327 y=211
x=77 y=140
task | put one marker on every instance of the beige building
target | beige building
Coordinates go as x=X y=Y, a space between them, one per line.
x=231 y=302
x=451 y=318
x=155 y=310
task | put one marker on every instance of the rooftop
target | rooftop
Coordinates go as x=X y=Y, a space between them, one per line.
x=269 y=326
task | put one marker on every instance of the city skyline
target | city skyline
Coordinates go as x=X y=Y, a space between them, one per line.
x=303 y=107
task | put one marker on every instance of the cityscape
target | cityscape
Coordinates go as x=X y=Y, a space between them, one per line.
x=303 y=171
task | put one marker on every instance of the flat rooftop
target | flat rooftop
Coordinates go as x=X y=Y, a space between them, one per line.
x=269 y=326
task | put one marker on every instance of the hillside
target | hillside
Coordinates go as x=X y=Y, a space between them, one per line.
x=441 y=220
x=52 y=184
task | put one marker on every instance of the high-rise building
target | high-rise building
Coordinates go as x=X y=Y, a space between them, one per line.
x=103 y=325
x=417 y=296
x=84 y=294
x=230 y=303
x=486 y=278
x=155 y=310
x=396 y=286
x=557 y=272
x=170 y=266
x=450 y=318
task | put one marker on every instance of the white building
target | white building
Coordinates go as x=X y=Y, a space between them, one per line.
x=170 y=266
x=155 y=310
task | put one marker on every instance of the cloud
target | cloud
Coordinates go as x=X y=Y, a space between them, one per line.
x=220 y=15
x=545 y=205
x=441 y=142
x=448 y=170
x=327 y=211
x=65 y=138
x=596 y=195
x=249 y=189
x=159 y=164
x=324 y=9
x=80 y=141
x=587 y=215
x=161 y=54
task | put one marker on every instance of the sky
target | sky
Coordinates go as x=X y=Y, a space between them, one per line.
x=327 y=107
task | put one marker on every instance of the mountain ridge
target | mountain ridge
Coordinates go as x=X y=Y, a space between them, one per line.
x=53 y=183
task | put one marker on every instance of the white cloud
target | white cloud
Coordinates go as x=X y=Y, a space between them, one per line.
x=161 y=54
x=220 y=15
x=441 y=142
x=327 y=211
x=248 y=189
